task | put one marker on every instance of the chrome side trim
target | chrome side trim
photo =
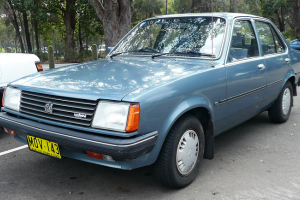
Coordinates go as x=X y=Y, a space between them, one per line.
x=87 y=140
x=275 y=82
x=257 y=39
x=247 y=93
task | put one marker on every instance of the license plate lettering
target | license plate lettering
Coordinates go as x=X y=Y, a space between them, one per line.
x=43 y=146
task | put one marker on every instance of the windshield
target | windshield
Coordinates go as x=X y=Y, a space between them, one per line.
x=184 y=36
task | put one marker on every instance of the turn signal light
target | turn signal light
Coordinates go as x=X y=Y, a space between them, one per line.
x=39 y=67
x=133 y=118
x=7 y=130
x=94 y=155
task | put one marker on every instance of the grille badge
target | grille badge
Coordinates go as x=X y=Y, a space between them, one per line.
x=49 y=107
x=80 y=115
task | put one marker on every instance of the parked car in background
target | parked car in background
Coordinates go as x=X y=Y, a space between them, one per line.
x=296 y=44
x=17 y=65
x=161 y=95
x=102 y=49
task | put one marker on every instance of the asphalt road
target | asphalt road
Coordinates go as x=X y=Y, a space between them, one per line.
x=256 y=160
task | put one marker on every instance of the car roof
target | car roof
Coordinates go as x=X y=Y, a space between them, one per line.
x=215 y=14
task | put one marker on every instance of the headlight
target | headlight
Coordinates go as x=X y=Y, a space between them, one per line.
x=12 y=98
x=119 y=116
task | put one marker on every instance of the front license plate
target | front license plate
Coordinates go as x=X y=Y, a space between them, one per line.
x=43 y=146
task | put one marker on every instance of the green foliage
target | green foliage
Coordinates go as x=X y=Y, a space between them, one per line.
x=289 y=34
x=44 y=57
x=143 y=9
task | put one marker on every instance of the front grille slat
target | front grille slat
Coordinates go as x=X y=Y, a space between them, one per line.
x=60 y=104
x=62 y=99
x=64 y=109
x=55 y=113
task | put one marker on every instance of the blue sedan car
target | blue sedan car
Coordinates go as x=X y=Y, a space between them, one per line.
x=296 y=44
x=161 y=95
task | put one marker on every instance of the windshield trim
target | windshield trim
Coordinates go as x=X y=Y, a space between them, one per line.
x=201 y=58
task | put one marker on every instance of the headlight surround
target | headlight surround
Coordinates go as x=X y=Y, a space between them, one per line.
x=12 y=98
x=111 y=115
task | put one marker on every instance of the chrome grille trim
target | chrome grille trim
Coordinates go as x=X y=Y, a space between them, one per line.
x=63 y=109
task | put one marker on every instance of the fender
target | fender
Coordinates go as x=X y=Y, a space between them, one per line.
x=182 y=108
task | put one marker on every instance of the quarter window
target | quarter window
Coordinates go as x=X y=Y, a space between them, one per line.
x=243 y=42
x=278 y=43
x=266 y=38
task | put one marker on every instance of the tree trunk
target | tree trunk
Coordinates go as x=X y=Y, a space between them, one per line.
x=180 y=6
x=115 y=16
x=13 y=18
x=80 y=40
x=295 y=17
x=70 y=22
x=192 y=6
x=35 y=23
x=27 y=34
x=231 y=6
x=166 y=7
x=280 y=19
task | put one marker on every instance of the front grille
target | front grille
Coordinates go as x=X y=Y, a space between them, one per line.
x=64 y=109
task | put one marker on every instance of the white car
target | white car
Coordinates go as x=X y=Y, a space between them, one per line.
x=17 y=65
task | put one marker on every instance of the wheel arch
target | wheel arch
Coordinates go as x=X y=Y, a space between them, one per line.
x=204 y=114
x=290 y=76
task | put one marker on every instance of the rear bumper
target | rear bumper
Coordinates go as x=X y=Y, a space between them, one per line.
x=120 y=149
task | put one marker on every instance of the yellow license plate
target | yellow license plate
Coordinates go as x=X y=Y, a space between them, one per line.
x=43 y=146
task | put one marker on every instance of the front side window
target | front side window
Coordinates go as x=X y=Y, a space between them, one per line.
x=266 y=38
x=243 y=42
x=185 y=36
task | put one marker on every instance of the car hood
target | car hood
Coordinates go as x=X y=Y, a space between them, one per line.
x=109 y=78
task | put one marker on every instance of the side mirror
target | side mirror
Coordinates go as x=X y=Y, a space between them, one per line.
x=109 y=49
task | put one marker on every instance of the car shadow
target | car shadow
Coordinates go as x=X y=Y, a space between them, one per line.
x=68 y=177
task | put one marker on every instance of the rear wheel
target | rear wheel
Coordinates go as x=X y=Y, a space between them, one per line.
x=182 y=153
x=281 y=109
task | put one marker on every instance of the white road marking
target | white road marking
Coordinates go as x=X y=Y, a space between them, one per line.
x=12 y=150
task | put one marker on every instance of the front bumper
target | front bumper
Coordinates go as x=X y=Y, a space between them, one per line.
x=120 y=149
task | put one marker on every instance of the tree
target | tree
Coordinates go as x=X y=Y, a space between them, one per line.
x=294 y=21
x=11 y=13
x=115 y=16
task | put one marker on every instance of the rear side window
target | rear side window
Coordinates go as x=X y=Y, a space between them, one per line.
x=266 y=38
x=243 y=42
x=278 y=42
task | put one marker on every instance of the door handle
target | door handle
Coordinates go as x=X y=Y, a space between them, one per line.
x=261 y=66
x=287 y=60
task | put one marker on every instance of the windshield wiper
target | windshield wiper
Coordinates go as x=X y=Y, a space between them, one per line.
x=159 y=54
x=116 y=54
x=193 y=52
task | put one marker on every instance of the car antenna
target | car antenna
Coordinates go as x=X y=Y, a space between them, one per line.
x=212 y=35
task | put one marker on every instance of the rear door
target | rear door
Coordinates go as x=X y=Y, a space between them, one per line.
x=277 y=60
x=245 y=74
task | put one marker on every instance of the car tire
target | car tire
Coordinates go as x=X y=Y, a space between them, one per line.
x=184 y=145
x=281 y=109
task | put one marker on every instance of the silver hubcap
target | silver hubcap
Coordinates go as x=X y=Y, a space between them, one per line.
x=187 y=152
x=286 y=101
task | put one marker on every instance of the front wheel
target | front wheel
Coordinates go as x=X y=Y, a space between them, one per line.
x=281 y=109
x=182 y=153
